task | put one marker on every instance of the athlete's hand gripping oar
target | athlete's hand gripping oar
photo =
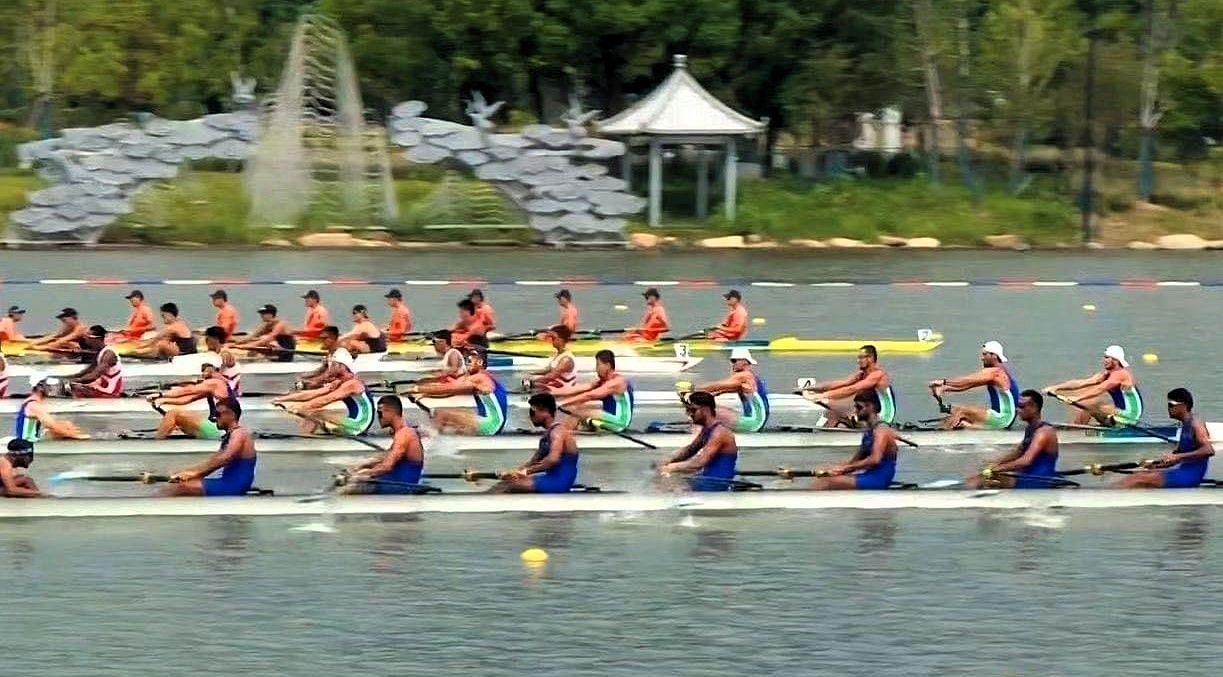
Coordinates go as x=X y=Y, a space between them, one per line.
x=1097 y=413
x=621 y=435
x=852 y=421
x=331 y=428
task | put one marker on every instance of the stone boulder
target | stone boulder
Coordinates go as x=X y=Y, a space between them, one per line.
x=1141 y=246
x=893 y=241
x=844 y=243
x=1005 y=241
x=727 y=242
x=1181 y=241
x=923 y=243
x=644 y=241
x=808 y=244
x=275 y=242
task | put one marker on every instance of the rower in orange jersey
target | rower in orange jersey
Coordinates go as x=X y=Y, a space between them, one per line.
x=227 y=315
x=401 y=317
x=8 y=324
x=655 y=323
x=317 y=316
x=469 y=325
x=142 y=320
x=484 y=311
x=569 y=311
x=734 y=327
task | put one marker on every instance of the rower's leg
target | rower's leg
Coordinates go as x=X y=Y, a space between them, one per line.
x=581 y=414
x=836 y=482
x=167 y=349
x=962 y=416
x=514 y=485
x=1151 y=479
x=838 y=414
x=355 y=346
x=188 y=488
x=457 y=421
x=168 y=424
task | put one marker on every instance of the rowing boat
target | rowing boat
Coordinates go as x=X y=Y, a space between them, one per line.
x=524 y=441
x=131 y=405
x=610 y=501
x=189 y=365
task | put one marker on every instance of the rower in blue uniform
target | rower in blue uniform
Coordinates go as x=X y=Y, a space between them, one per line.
x=1185 y=466
x=398 y=470
x=874 y=464
x=235 y=460
x=1032 y=464
x=554 y=467
x=708 y=461
x=17 y=458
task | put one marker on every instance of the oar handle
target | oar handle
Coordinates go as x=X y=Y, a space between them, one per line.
x=621 y=435
x=1095 y=412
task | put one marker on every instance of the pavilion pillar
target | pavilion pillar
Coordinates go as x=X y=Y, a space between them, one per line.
x=702 y=183
x=731 y=174
x=655 y=182
x=626 y=168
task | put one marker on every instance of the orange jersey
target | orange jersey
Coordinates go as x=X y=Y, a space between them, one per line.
x=400 y=324
x=734 y=327
x=140 y=323
x=227 y=319
x=569 y=318
x=460 y=334
x=486 y=316
x=316 y=319
x=653 y=325
x=8 y=330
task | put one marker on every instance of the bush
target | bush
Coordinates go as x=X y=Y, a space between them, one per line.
x=10 y=138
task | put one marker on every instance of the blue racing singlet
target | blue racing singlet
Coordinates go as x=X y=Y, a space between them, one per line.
x=1045 y=465
x=1128 y=402
x=879 y=477
x=1003 y=405
x=26 y=428
x=236 y=477
x=558 y=479
x=1189 y=474
x=404 y=473
x=492 y=409
x=755 y=409
x=719 y=473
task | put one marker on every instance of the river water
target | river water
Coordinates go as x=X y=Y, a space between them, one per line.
x=838 y=592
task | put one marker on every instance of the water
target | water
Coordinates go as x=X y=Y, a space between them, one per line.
x=837 y=592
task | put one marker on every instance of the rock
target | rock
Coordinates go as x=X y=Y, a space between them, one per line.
x=844 y=242
x=671 y=240
x=326 y=240
x=753 y=238
x=1181 y=241
x=727 y=242
x=809 y=244
x=1140 y=245
x=358 y=242
x=416 y=244
x=275 y=242
x=380 y=236
x=1094 y=244
x=1005 y=241
x=893 y=241
x=1214 y=244
x=923 y=243
x=189 y=243
x=644 y=240
x=763 y=244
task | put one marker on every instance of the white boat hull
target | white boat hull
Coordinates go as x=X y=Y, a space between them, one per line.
x=189 y=366
x=608 y=502
x=831 y=439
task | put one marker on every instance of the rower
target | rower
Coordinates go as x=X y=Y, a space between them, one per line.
x=606 y=402
x=104 y=375
x=345 y=386
x=874 y=464
x=399 y=468
x=468 y=325
x=562 y=369
x=231 y=371
x=227 y=314
x=8 y=324
x=33 y=417
x=484 y=310
x=747 y=384
x=1186 y=465
x=141 y=320
x=453 y=364
x=654 y=323
x=212 y=387
x=734 y=327
x=998 y=382
x=553 y=469
x=329 y=341
x=838 y=396
x=68 y=338
x=174 y=339
x=1111 y=396
x=17 y=458
x=1032 y=464
x=491 y=400
x=400 y=324
x=569 y=311
x=273 y=334
x=317 y=317
x=236 y=460
x=3 y=375
x=708 y=461
x=365 y=336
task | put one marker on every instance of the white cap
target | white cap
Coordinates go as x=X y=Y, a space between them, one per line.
x=342 y=356
x=1118 y=354
x=41 y=378
x=995 y=348
x=742 y=354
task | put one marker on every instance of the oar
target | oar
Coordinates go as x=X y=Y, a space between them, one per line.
x=1053 y=482
x=621 y=435
x=86 y=476
x=1094 y=412
x=468 y=475
x=842 y=417
x=329 y=427
x=419 y=405
x=782 y=473
x=1099 y=469
x=269 y=349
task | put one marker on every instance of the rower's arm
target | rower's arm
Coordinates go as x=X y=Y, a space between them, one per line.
x=564 y=367
x=218 y=460
x=12 y=489
x=333 y=393
x=574 y=390
x=1099 y=387
x=698 y=460
x=1041 y=442
x=1078 y=383
x=397 y=453
x=94 y=371
x=833 y=385
x=547 y=461
x=884 y=437
x=854 y=385
x=463 y=387
x=959 y=385
x=302 y=395
x=728 y=385
x=1205 y=446
x=191 y=390
x=686 y=452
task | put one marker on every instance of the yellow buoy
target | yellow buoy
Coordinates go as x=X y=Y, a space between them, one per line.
x=620 y=306
x=534 y=555
x=1150 y=358
x=1089 y=307
x=759 y=321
